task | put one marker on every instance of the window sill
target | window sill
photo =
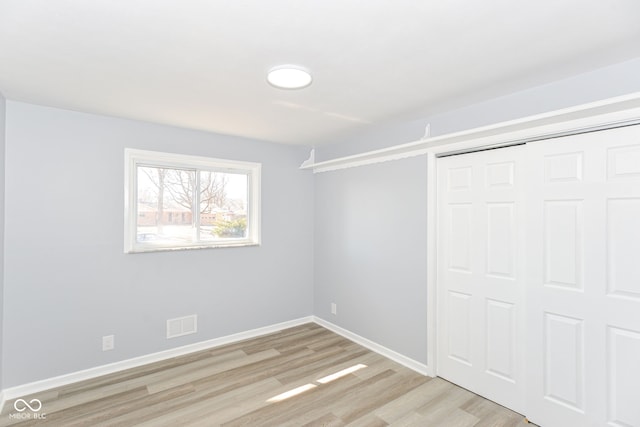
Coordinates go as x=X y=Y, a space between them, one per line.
x=147 y=249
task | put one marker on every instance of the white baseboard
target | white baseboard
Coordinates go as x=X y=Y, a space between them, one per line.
x=49 y=383
x=420 y=368
x=62 y=380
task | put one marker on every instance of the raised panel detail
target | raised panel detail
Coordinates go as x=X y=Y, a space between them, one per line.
x=565 y=167
x=623 y=356
x=563 y=243
x=500 y=175
x=623 y=162
x=564 y=361
x=623 y=247
x=500 y=345
x=501 y=243
x=459 y=312
x=459 y=237
x=459 y=178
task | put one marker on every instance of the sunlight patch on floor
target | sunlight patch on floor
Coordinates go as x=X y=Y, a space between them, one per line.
x=341 y=374
x=294 y=392
x=324 y=380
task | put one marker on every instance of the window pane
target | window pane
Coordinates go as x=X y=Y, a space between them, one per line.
x=223 y=205
x=165 y=200
x=185 y=202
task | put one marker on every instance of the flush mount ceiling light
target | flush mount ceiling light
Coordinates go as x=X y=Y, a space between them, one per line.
x=289 y=77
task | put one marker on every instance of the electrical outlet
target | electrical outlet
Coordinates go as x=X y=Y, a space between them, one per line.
x=108 y=342
x=334 y=308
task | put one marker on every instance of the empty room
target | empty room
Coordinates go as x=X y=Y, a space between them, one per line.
x=302 y=213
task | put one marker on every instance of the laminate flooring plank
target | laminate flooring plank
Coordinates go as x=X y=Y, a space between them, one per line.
x=246 y=378
x=193 y=374
x=398 y=408
x=224 y=383
x=357 y=356
x=148 y=369
x=491 y=414
x=326 y=397
x=377 y=394
x=232 y=385
x=289 y=410
x=369 y=420
x=334 y=396
x=259 y=409
x=410 y=419
x=133 y=409
x=321 y=363
x=439 y=408
x=211 y=411
x=459 y=418
x=281 y=412
x=331 y=340
x=256 y=344
x=149 y=409
x=67 y=414
x=136 y=379
x=375 y=365
x=254 y=372
x=21 y=423
x=68 y=403
x=328 y=420
x=286 y=341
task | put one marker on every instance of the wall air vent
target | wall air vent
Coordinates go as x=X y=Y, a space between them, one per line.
x=182 y=326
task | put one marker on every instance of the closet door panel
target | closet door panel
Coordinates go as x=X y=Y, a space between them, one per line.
x=481 y=275
x=583 y=279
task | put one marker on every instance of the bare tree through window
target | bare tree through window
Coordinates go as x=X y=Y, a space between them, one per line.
x=166 y=204
x=178 y=201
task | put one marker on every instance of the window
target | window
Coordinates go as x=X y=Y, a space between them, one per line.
x=175 y=201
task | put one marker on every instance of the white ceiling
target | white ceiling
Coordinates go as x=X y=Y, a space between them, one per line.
x=202 y=63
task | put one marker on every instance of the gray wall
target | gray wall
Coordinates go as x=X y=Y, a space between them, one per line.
x=3 y=105
x=67 y=280
x=370 y=253
x=607 y=82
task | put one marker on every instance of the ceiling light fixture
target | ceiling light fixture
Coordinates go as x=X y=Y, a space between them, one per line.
x=289 y=77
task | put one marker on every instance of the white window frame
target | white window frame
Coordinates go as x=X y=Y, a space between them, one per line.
x=135 y=158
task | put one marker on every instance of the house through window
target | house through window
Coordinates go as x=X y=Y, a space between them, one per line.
x=179 y=202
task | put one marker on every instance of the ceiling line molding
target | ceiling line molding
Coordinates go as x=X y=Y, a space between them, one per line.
x=579 y=118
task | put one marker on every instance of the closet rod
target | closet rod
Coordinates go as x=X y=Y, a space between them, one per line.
x=578 y=131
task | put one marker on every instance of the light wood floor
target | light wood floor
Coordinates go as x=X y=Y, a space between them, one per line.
x=232 y=385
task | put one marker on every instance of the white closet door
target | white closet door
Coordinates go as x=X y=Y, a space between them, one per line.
x=583 y=290
x=481 y=274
